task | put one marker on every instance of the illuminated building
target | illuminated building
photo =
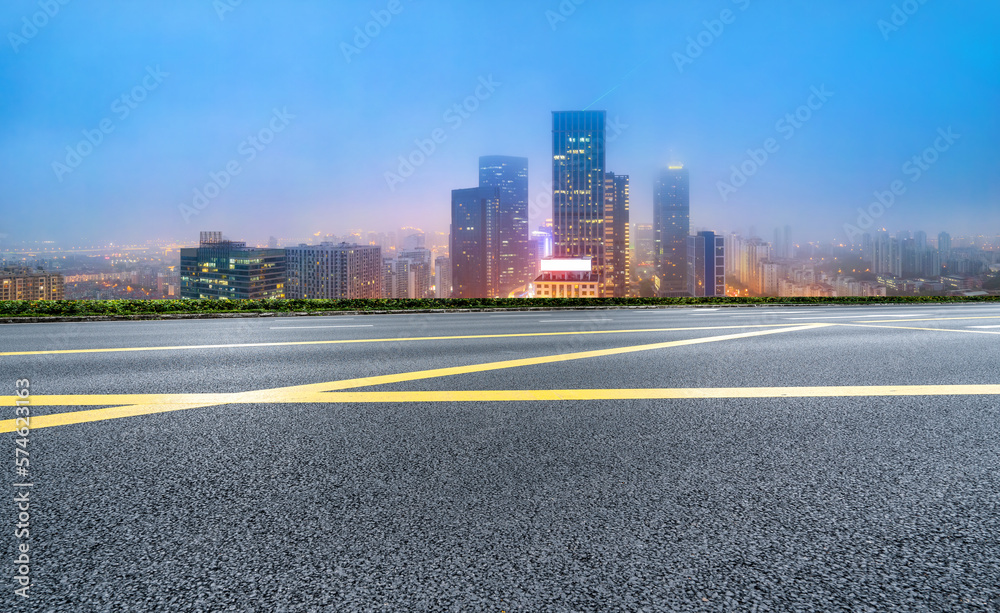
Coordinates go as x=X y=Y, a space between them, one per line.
x=26 y=284
x=474 y=271
x=334 y=271
x=671 y=227
x=504 y=179
x=578 y=188
x=567 y=278
x=223 y=269
x=706 y=265
x=616 y=235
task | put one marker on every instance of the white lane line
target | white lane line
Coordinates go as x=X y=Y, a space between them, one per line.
x=319 y=327
x=983 y=327
x=857 y=316
x=524 y=315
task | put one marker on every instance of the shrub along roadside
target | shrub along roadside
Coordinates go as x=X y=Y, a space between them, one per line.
x=85 y=308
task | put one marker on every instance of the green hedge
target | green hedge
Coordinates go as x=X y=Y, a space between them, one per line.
x=25 y=308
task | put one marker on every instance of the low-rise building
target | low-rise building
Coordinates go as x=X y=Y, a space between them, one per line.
x=567 y=278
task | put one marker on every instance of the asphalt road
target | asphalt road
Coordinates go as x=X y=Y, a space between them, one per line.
x=751 y=459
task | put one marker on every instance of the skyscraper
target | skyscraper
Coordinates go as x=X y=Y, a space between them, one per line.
x=504 y=179
x=944 y=246
x=672 y=225
x=578 y=187
x=473 y=219
x=707 y=265
x=618 y=264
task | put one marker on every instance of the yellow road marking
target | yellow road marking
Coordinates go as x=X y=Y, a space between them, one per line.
x=63 y=419
x=81 y=417
x=379 y=340
x=548 y=359
x=145 y=404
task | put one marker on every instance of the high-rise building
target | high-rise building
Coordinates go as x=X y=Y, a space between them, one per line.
x=334 y=271
x=505 y=180
x=644 y=242
x=489 y=231
x=578 y=187
x=420 y=266
x=28 y=284
x=671 y=226
x=224 y=269
x=782 y=246
x=474 y=271
x=618 y=264
x=707 y=265
x=442 y=277
x=398 y=279
x=944 y=245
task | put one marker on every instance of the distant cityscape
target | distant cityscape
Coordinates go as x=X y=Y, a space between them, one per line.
x=587 y=248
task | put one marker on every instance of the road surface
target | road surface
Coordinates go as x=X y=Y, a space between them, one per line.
x=733 y=459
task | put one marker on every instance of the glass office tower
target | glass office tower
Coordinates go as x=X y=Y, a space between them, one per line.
x=578 y=186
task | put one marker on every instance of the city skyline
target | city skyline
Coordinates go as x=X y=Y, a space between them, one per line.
x=302 y=133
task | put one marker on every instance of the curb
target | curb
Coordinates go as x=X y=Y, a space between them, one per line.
x=184 y=316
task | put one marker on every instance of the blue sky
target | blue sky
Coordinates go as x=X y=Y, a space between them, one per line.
x=209 y=80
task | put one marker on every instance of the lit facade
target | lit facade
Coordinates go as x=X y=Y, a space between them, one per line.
x=25 y=284
x=617 y=245
x=334 y=271
x=706 y=265
x=578 y=188
x=504 y=179
x=567 y=278
x=671 y=227
x=475 y=273
x=222 y=269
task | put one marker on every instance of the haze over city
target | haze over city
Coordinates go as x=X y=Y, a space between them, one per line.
x=323 y=117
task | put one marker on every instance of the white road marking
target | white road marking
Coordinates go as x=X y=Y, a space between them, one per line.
x=318 y=327
x=983 y=327
x=879 y=315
